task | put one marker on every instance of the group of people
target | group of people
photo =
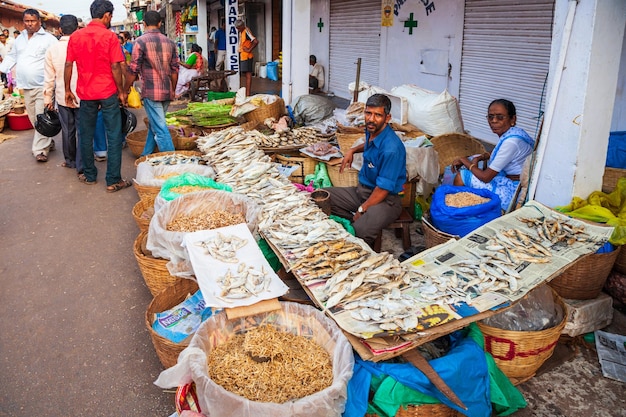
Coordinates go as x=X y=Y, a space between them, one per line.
x=374 y=203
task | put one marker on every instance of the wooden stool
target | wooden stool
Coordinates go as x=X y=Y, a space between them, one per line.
x=401 y=227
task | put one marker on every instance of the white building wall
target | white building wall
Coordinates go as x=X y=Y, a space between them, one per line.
x=320 y=37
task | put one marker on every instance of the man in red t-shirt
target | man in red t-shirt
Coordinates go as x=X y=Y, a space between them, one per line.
x=98 y=57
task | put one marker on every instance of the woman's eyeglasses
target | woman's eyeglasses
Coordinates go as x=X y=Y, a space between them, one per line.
x=496 y=116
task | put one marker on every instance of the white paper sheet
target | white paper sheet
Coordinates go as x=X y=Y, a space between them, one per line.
x=208 y=269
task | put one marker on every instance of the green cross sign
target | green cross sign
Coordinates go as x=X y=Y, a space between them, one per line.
x=410 y=24
x=320 y=25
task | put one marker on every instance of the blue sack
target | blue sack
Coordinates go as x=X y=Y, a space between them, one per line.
x=616 y=152
x=462 y=220
x=272 y=71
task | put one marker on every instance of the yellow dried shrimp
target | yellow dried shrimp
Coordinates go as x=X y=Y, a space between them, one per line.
x=268 y=365
x=166 y=175
x=204 y=221
x=465 y=199
x=186 y=189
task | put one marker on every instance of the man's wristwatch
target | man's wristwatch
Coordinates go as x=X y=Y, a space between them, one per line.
x=360 y=210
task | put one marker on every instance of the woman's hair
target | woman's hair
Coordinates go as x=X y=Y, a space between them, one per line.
x=196 y=48
x=508 y=105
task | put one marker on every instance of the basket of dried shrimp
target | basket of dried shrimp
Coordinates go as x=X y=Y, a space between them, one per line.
x=424 y=410
x=432 y=235
x=169 y=297
x=142 y=213
x=519 y=354
x=299 y=356
x=154 y=270
x=584 y=278
x=275 y=110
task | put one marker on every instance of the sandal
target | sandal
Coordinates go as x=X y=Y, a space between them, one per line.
x=41 y=158
x=119 y=186
x=52 y=146
x=82 y=178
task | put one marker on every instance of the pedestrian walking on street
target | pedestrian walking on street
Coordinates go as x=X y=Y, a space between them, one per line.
x=54 y=90
x=28 y=56
x=220 y=46
x=98 y=57
x=155 y=59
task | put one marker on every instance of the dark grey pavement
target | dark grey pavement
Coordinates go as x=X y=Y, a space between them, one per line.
x=72 y=339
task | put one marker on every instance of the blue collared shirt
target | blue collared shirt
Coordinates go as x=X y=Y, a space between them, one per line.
x=384 y=162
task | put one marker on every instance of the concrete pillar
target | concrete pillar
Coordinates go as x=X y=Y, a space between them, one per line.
x=296 y=48
x=581 y=92
x=203 y=28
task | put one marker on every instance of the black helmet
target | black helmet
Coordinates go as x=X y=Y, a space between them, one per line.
x=129 y=121
x=48 y=123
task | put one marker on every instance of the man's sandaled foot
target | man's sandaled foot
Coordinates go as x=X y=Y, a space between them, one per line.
x=82 y=178
x=41 y=158
x=52 y=146
x=118 y=186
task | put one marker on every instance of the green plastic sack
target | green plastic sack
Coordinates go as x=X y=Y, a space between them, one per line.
x=344 y=222
x=601 y=207
x=269 y=255
x=320 y=177
x=190 y=179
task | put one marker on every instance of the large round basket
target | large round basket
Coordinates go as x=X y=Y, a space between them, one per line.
x=620 y=262
x=346 y=140
x=425 y=410
x=147 y=194
x=350 y=129
x=306 y=166
x=154 y=270
x=166 y=350
x=584 y=278
x=348 y=178
x=210 y=129
x=158 y=154
x=142 y=213
x=520 y=354
x=610 y=178
x=185 y=143
x=275 y=110
x=434 y=236
x=452 y=145
x=136 y=141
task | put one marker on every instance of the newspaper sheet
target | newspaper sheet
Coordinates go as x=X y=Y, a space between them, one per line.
x=210 y=270
x=612 y=354
x=471 y=295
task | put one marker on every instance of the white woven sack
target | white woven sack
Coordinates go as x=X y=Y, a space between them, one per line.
x=432 y=113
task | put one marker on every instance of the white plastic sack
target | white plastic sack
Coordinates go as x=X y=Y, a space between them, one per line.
x=433 y=113
x=293 y=317
x=147 y=173
x=166 y=244
x=365 y=93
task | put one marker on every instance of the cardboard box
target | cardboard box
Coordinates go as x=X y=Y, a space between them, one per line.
x=584 y=316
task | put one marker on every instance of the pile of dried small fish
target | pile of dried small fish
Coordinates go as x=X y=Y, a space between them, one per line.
x=174 y=159
x=326 y=258
x=291 y=137
x=245 y=283
x=223 y=247
x=204 y=221
x=555 y=231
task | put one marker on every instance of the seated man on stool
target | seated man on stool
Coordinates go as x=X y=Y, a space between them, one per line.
x=316 y=75
x=374 y=203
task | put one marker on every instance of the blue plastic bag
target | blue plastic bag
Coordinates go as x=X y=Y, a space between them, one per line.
x=272 y=71
x=616 y=152
x=462 y=220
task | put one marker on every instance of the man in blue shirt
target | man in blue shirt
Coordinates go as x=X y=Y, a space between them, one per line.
x=374 y=203
x=219 y=40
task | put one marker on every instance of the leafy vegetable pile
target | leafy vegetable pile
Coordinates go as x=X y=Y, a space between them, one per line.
x=201 y=114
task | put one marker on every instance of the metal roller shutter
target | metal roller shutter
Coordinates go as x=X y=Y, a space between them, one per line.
x=354 y=33
x=506 y=54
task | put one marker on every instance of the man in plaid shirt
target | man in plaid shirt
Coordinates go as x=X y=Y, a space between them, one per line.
x=155 y=58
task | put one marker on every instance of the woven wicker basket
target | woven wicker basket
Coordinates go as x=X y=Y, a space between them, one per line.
x=2 y=122
x=154 y=155
x=185 y=143
x=141 y=217
x=519 y=354
x=154 y=270
x=346 y=140
x=275 y=110
x=452 y=145
x=147 y=194
x=210 y=129
x=584 y=278
x=610 y=178
x=306 y=166
x=350 y=129
x=434 y=236
x=424 y=410
x=620 y=262
x=166 y=350
x=348 y=178
x=136 y=142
